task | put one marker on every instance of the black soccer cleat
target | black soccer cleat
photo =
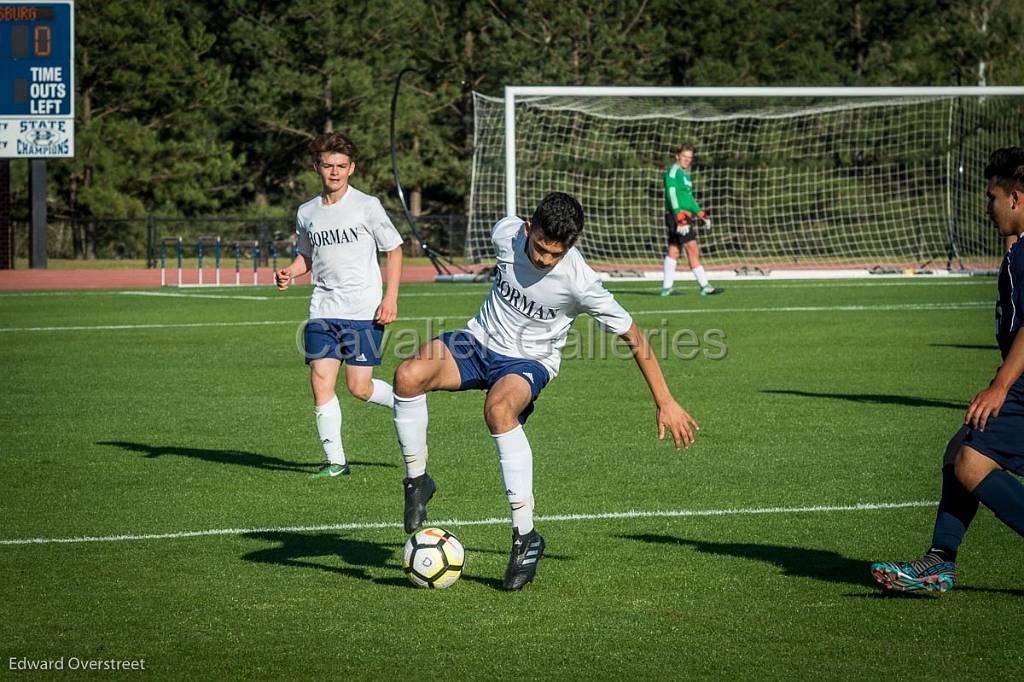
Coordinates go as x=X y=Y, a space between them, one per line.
x=418 y=492
x=522 y=565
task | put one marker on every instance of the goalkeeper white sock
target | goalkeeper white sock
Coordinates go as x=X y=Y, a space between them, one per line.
x=411 y=426
x=702 y=279
x=328 y=425
x=669 y=269
x=382 y=394
x=516 y=460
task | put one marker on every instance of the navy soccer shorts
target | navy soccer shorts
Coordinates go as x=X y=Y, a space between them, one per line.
x=480 y=368
x=1003 y=437
x=354 y=342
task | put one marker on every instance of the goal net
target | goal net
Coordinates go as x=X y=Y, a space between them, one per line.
x=792 y=178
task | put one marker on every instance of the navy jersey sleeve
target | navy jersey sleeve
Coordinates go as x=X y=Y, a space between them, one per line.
x=1017 y=285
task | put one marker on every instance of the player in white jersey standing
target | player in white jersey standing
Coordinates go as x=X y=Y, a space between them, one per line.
x=511 y=349
x=340 y=232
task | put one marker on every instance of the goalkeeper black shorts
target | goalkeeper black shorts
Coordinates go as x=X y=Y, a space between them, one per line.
x=672 y=231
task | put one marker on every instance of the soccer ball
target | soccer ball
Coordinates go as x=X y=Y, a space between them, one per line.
x=433 y=558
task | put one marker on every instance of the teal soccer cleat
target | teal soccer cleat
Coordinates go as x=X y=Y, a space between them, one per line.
x=928 y=573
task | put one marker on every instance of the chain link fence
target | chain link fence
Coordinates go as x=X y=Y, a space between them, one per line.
x=140 y=238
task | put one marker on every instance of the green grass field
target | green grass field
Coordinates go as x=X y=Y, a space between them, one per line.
x=136 y=422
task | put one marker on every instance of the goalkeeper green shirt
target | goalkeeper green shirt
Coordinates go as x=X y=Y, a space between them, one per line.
x=679 y=191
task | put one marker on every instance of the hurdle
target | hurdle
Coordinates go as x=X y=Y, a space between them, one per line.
x=163 y=258
x=290 y=247
x=202 y=252
x=215 y=240
x=255 y=246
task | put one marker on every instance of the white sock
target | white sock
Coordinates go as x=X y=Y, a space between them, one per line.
x=411 y=426
x=382 y=394
x=516 y=460
x=670 y=272
x=702 y=279
x=328 y=425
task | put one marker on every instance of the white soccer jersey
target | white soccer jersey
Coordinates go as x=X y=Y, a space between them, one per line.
x=342 y=239
x=529 y=311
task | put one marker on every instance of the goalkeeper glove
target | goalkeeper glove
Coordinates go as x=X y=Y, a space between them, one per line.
x=702 y=222
x=683 y=217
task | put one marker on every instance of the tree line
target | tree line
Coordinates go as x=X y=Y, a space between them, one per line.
x=188 y=108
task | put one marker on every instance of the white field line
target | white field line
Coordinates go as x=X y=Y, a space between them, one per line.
x=826 y=308
x=910 y=307
x=125 y=327
x=990 y=282
x=168 y=294
x=477 y=289
x=372 y=525
x=481 y=290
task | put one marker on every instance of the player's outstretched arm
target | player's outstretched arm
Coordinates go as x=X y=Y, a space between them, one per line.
x=300 y=266
x=670 y=414
x=387 y=311
x=988 y=403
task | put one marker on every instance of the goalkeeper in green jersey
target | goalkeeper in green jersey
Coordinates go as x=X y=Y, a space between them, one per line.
x=682 y=214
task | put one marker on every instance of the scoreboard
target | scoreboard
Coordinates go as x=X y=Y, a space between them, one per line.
x=37 y=93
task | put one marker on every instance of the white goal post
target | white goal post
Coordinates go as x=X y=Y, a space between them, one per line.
x=862 y=179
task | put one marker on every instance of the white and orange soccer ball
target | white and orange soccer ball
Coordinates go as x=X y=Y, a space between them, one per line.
x=433 y=558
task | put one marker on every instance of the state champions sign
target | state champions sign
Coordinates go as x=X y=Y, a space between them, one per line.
x=37 y=93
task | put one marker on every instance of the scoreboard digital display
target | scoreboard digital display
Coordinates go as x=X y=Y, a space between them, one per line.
x=37 y=100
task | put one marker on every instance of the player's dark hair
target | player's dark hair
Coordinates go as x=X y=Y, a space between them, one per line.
x=1006 y=167
x=685 y=148
x=333 y=143
x=559 y=217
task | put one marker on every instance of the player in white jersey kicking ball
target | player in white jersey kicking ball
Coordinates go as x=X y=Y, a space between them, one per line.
x=339 y=234
x=511 y=349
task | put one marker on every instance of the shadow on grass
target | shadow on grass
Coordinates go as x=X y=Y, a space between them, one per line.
x=322 y=551
x=797 y=561
x=889 y=594
x=878 y=399
x=965 y=346
x=818 y=564
x=235 y=457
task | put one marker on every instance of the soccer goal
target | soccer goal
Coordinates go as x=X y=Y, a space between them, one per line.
x=838 y=181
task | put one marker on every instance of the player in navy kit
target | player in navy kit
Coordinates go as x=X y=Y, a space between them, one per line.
x=978 y=461
x=340 y=232
x=511 y=349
